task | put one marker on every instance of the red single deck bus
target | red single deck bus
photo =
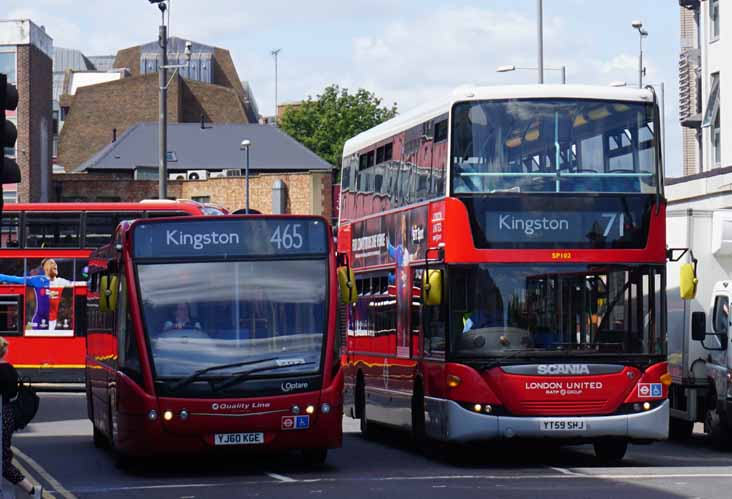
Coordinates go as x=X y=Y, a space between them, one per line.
x=508 y=246
x=44 y=249
x=215 y=333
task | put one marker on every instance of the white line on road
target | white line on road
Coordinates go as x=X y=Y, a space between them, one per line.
x=280 y=478
x=564 y=471
x=60 y=489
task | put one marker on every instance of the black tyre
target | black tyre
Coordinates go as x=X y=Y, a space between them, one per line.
x=314 y=457
x=419 y=434
x=610 y=451
x=717 y=429
x=678 y=429
x=100 y=440
x=364 y=425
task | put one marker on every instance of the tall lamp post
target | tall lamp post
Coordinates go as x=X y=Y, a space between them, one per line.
x=245 y=145
x=275 y=54
x=562 y=70
x=540 y=35
x=163 y=84
x=642 y=33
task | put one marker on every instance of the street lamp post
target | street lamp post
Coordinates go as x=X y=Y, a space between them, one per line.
x=540 y=36
x=275 y=54
x=163 y=108
x=642 y=34
x=245 y=145
x=163 y=84
x=562 y=70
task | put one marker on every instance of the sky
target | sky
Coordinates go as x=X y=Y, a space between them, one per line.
x=405 y=51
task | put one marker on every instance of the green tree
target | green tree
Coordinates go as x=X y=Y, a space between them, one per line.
x=323 y=124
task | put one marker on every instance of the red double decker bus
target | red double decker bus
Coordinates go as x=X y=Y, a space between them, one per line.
x=215 y=333
x=508 y=246
x=44 y=248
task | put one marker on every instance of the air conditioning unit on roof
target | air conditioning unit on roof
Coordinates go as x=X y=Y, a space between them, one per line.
x=216 y=174
x=233 y=172
x=197 y=174
x=177 y=176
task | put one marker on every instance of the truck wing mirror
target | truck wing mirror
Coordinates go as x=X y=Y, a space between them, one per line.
x=687 y=281
x=698 y=326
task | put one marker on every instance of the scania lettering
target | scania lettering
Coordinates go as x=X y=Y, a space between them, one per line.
x=534 y=303
x=563 y=369
x=218 y=329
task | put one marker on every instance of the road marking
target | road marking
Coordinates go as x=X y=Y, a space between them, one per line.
x=58 y=488
x=281 y=478
x=564 y=471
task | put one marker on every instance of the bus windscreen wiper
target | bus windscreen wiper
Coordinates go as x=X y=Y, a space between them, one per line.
x=193 y=377
x=243 y=375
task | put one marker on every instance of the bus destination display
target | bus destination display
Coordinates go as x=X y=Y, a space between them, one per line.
x=230 y=238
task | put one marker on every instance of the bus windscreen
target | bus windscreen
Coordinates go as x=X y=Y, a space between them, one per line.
x=230 y=238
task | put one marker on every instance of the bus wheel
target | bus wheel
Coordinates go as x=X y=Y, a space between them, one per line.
x=418 y=425
x=679 y=429
x=315 y=457
x=610 y=451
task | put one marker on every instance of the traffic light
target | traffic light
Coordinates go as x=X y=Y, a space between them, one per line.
x=9 y=170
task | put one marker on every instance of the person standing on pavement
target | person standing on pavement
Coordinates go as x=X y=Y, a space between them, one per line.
x=9 y=389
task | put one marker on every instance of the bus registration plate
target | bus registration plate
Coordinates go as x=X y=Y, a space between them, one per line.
x=238 y=438
x=562 y=425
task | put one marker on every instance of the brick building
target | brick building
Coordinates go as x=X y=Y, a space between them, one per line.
x=25 y=56
x=207 y=89
x=206 y=163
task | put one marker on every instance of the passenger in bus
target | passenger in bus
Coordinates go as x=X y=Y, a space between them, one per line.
x=181 y=319
x=9 y=389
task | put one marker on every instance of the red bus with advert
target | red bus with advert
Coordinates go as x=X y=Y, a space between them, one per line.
x=44 y=248
x=215 y=333
x=506 y=252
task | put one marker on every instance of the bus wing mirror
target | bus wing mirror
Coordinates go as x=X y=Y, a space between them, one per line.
x=432 y=288
x=108 y=290
x=347 y=285
x=698 y=326
x=103 y=288
x=112 y=292
x=687 y=281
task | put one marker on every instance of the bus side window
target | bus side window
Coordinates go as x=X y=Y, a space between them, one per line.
x=11 y=314
x=10 y=231
x=53 y=230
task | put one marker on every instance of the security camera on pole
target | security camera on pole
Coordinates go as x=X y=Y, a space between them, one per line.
x=641 y=70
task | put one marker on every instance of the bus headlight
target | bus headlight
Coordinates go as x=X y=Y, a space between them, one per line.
x=310 y=409
x=152 y=415
x=168 y=415
x=325 y=407
x=183 y=414
x=478 y=408
x=295 y=409
x=646 y=406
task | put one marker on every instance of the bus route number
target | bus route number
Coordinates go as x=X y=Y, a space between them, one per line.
x=287 y=237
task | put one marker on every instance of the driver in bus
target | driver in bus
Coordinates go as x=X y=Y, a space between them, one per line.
x=182 y=319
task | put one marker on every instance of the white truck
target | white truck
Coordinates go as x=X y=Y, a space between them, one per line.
x=700 y=362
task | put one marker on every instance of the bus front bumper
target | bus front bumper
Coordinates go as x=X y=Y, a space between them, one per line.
x=447 y=420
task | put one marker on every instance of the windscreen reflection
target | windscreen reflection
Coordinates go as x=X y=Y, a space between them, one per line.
x=202 y=315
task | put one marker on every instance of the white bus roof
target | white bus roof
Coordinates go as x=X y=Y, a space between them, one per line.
x=435 y=108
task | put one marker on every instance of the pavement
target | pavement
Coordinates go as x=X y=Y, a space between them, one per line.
x=57 y=449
